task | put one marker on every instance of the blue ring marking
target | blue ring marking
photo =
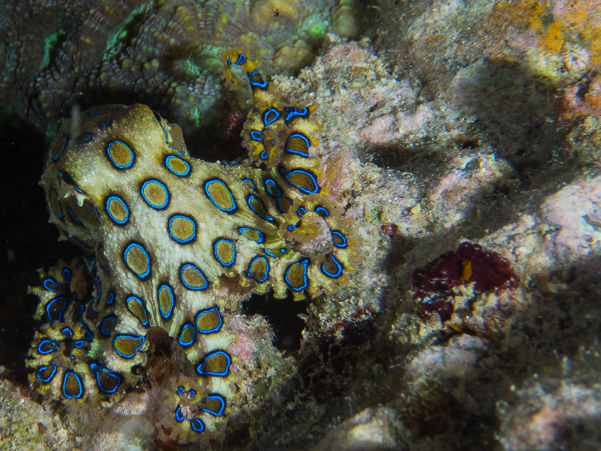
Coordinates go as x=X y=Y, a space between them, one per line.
x=250 y=205
x=264 y=155
x=77 y=189
x=67 y=332
x=266 y=272
x=44 y=368
x=272 y=111
x=340 y=235
x=301 y=211
x=51 y=285
x=251 y=183
x=110 y=298
x=227 y=265
x=210 y=373
x=79 y=312
x=166 y=134
x=63 y=149
x=107 y=123
x=241 y=60
x=158 y=207
x=279 y=204
x=179 y=174
x=98 y=369
x=338 y=266
x=83 y=138
x=304 y=190
x=323 y=212
x=118 y=199
x=78 y=344
x=60 y=314
x=216 y=329
x=44 y=342
x=212 y=412
x=256 y=135
x=291 y=227
x=109 y=332
x=129 y=336
x=136 y=298
x=108 y=151
x=78 y=395
x=89 y=336
x=181 y=276
x=210 y=182
x=66 y=274
x=305 y=280
x=99 y=289
x=271 y=185
x=77 y=242
x=294 y=112
x=187 y=240
x=197 y=425
x=179 y=338
x=179 y=416
x=180 y=390
x=262 y=84
x=60 y=210
x=298 y=152
x=268 y=252
x=168 y=288
x=144 y=275
x=261 y=234
x=192 y=393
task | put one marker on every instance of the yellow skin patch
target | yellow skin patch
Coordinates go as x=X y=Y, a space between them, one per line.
x=182 y=228
x=136 y=307
x=120 y=153
x=258 y=269
x=137 y=260
x=209 y=320
x=217 y=363
x=128 y=346
x=117 y=209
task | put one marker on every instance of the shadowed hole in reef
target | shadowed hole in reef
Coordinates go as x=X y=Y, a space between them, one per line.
x=30 y=241
x=282 y=314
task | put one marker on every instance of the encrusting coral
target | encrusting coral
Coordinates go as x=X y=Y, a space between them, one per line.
x=176 y=243
x=54 y=55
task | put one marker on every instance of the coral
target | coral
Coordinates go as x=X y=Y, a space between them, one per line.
x=66 y=53
x=177 y=243
x=26 y=425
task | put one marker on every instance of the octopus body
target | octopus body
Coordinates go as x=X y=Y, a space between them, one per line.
x=174 y=244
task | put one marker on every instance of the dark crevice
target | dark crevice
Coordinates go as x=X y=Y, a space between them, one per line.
x=283 y=315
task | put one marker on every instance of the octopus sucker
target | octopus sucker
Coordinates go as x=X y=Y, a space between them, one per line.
x=174 y=244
